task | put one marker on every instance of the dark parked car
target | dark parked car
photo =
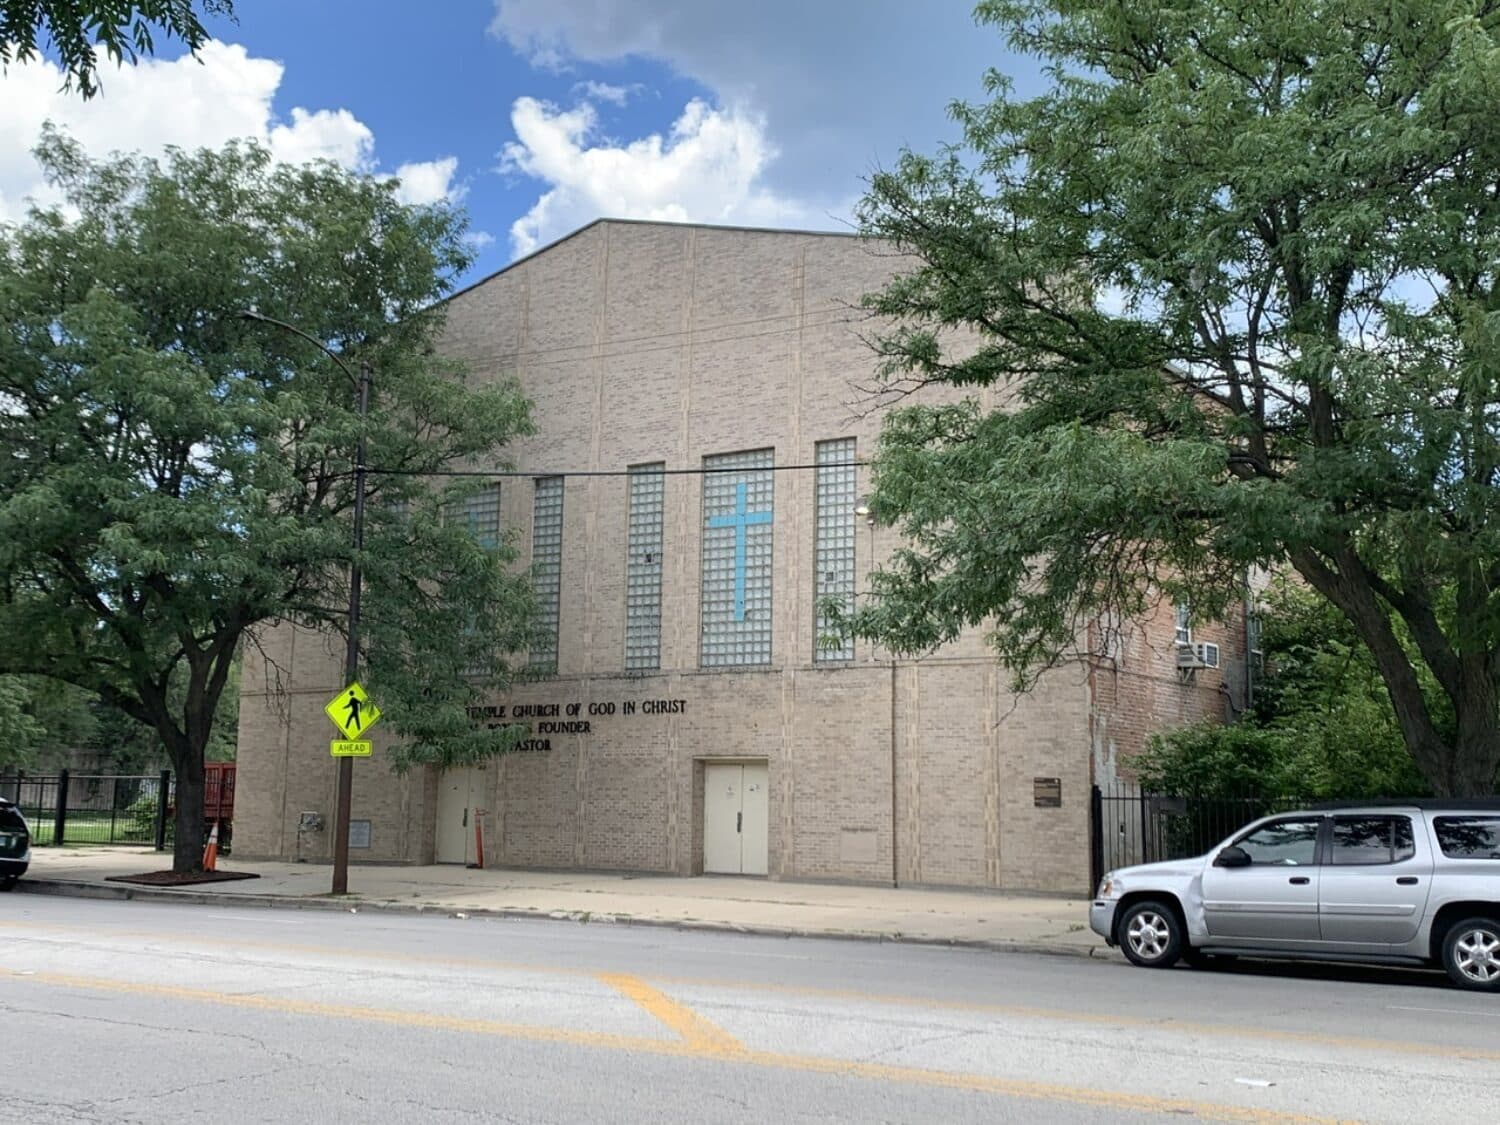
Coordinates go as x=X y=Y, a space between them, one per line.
x=15 y=845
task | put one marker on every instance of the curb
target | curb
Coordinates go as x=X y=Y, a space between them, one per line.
x=125 y=893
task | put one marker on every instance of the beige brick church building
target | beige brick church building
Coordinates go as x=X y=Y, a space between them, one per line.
x=692 y=716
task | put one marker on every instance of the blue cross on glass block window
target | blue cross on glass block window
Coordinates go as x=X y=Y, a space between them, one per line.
x=738 y=508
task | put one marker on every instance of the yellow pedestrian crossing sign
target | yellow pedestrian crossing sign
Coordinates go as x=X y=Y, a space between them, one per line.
x=352 y=712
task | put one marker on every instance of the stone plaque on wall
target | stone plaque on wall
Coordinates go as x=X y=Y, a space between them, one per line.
x=1046 y=792
x=359 y=833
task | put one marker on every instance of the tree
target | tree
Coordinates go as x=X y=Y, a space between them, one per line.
x=1322 y=724
x=1235 y=273
x=43 y=720
x=78 y=30
x=175 y=477
x=130 y=747
x=39 y=716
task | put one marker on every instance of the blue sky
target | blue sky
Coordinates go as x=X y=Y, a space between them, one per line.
x=542 y=115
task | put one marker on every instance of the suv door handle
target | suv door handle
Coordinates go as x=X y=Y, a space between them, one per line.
x=1299 y=880
x=1407 y=881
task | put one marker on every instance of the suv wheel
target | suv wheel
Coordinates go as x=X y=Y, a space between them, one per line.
x=8 y=882
x=1471 y=954
x=1150 y=935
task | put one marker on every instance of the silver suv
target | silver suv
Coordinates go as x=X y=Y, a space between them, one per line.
x=1415 y=883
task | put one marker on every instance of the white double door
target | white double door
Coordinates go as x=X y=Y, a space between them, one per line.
x=460 y=793
x=736 y=812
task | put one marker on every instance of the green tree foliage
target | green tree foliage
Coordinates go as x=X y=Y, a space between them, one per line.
x=43 y=720
x=80 y=29
x=1232 y=279
x=38 y=717
x=131 y=747
x=174 y=477
x=1322 y=724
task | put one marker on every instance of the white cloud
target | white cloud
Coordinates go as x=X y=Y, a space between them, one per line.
x=707 y=169
x=187 y=102
x=841 y=85
x=428 y=181
x=479 y=239
x=605 y=92
x=328 y=134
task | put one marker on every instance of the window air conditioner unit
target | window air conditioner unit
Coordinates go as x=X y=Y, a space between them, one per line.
x=1207 y=654
x=1187 y=658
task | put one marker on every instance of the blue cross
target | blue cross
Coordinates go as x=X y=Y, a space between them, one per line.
x=487 y=541
x=741 y=521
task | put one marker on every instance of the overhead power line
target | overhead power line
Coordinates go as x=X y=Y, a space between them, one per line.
x=637 y=471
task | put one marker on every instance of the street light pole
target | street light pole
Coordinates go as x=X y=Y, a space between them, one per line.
x=351 y=652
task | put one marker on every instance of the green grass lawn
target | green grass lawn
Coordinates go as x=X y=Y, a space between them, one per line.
x=92 y=828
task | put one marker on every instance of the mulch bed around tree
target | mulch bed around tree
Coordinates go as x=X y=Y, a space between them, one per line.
x=180 y=878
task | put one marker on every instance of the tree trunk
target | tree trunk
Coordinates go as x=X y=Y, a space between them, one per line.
x=1473 y=763
x=187 y=845
x=1461 y=766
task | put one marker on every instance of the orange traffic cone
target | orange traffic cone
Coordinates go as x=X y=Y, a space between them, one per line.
x=211 y=849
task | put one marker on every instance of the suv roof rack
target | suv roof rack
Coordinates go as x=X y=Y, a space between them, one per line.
x=1426 y=804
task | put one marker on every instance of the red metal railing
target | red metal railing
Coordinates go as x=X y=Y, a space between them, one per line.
x=218 y=792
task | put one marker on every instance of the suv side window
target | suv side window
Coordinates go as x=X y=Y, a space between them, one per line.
x=1468 y=837
x=1283 y=843
x=1363 y=840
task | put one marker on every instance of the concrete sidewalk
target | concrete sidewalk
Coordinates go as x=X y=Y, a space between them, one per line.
x=994 y=920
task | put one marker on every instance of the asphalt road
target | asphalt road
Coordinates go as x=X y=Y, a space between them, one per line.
x=136 y=1012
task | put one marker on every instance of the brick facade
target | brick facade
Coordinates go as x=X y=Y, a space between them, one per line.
x=646 y=342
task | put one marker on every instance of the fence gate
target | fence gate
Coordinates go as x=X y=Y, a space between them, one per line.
x=69 y=808
x=1128 y=826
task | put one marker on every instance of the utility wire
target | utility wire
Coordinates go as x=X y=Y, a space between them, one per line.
x=544 y=473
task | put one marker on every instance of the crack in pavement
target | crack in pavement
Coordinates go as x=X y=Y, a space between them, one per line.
x=937 y=1037
x=141 y=1025
x=206 y=1084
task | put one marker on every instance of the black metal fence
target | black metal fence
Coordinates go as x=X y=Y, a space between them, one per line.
x=1129 y=826
x=69 y=808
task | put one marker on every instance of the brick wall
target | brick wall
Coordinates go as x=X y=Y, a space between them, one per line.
x=642 y=342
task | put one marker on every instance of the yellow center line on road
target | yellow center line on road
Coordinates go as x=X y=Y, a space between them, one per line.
x=1447 y=1051
x=695 y=1047
x=1161 y=1023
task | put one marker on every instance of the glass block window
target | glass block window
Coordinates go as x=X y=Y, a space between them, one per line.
x=643 y=568
x=833 y=544
x=546 y=569
x=481 y=515
x=738 y=502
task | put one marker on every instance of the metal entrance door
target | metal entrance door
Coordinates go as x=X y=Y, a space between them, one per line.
x=460 y=792
x=736 y=827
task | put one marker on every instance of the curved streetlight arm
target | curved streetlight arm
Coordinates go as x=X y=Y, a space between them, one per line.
x=351 y=652
x=251 y=314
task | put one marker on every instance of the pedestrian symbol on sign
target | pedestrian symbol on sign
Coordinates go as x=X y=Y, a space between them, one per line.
x=352 y=711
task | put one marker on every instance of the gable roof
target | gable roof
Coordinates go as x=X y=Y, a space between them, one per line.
x=556 y=242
